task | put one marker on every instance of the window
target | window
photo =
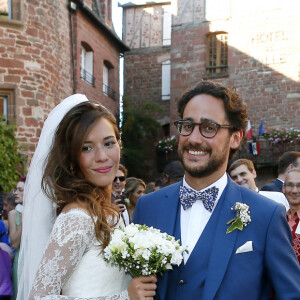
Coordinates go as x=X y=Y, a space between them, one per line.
x=10 y=9
x=86 y=70
x=167 y=26
x=3 y=106
x=105 y=80
x=166 y=80
x=7 y=105
x=108 y=77
x=217 y=54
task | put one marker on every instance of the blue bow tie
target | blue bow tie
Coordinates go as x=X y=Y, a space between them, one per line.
x=188 y=197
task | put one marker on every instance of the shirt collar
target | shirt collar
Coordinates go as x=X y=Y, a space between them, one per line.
x=220 y=184
x=289 y=214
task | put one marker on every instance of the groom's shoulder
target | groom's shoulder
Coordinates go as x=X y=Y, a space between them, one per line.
x=164 y=192
x=257 y=202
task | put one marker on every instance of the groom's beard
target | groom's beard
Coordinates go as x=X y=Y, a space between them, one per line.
x=214 y=162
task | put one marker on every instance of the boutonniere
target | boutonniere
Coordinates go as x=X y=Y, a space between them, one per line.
x=241 y=219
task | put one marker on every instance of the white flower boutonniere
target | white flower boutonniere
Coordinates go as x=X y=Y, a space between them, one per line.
x=241 y=219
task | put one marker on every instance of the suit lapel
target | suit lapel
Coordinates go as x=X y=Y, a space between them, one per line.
x=167 y=210
x=278 y=183
x=167 y=223
x=223 y=243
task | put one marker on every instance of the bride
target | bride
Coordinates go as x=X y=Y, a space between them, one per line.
x=75 y=163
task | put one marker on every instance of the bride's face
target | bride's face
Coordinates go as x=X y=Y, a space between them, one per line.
x=100 y=154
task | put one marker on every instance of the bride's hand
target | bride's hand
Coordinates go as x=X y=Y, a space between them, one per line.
x=142 y=287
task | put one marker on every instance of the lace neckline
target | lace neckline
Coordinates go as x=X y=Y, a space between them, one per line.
x=76 y=210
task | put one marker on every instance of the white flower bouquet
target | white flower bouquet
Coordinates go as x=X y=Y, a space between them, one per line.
x=142 y=250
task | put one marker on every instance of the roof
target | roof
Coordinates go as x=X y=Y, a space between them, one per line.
x=100 y=23
x=134 y=3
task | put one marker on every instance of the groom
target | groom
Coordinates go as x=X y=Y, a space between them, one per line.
x=243 y=264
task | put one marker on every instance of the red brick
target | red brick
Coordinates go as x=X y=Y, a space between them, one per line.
x=12 y=79
x=31 y=122
x=11 y=63
x=27 y=94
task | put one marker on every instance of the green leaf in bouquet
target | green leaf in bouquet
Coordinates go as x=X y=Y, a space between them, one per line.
x=236 y=224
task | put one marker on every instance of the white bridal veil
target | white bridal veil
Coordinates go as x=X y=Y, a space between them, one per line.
x=39 y=212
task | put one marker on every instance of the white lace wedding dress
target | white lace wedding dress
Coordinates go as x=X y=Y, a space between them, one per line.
x=81 y=273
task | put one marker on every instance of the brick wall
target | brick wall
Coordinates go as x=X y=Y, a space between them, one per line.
x=263 y=59
x=35 y=64
x=142 y=72
x=143 y=64
x=37 y=61
x=104 y=49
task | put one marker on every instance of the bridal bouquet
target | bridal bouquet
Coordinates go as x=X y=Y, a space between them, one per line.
x=142 y=250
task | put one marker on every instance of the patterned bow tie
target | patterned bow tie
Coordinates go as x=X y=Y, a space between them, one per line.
x=188 y=197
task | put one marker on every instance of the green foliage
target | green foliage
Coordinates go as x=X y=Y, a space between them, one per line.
x=235 y=224
x=10 y=158
x=139 y=131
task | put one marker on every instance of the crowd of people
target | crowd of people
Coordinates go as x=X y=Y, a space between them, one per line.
x=77 y=192
x=10 y=239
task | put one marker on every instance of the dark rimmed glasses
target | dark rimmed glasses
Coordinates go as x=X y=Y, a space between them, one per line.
x=121 y=178
x=207 y=129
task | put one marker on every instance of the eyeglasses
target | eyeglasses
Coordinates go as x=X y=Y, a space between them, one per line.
x=290 y=186
x=121 y=178
x=207 y=129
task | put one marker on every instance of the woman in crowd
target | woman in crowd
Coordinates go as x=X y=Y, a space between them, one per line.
x=79 y=169
x=15 y=229
x=134 y=189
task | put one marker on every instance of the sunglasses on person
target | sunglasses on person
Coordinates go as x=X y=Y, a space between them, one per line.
x=121 y=178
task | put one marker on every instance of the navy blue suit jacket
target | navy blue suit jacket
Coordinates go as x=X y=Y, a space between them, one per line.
x=249 y=275
x=275 y=186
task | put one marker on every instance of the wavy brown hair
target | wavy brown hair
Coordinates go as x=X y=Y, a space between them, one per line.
x=63 y=181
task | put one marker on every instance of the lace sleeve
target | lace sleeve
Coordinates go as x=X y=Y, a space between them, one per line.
x=70 y=238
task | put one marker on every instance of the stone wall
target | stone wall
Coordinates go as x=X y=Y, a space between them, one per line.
x=35 y=64
x=40 y=62
x=263 y=59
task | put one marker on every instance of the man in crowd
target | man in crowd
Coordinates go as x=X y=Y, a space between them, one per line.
x=117 y=191
x=173 y=172
x=291 y=189
x=240 y=260
x=287 y=161
x=242 y=172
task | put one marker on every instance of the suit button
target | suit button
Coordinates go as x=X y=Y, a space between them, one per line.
x=181 y=282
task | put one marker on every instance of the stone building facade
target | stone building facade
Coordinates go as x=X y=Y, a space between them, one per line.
x=147 y=31
x=252 y=46
x=50 y=50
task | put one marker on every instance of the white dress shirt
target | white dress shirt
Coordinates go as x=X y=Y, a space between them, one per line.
x=276 y=196
x=194 y=219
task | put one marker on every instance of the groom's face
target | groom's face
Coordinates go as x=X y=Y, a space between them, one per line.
x=201 y=156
